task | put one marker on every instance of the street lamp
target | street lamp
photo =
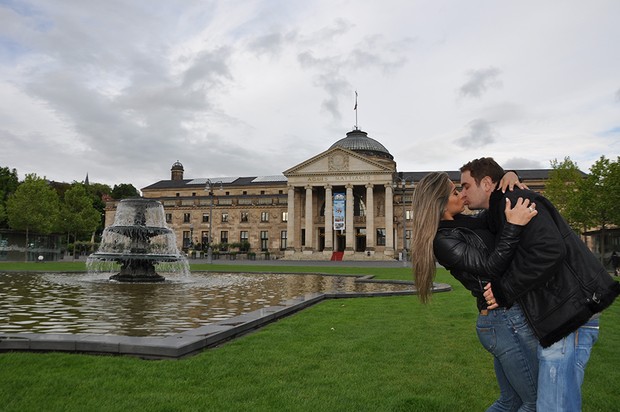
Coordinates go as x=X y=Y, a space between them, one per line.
x=209 y=190
x=403 y=186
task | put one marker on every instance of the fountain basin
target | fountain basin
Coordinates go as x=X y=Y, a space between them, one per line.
x=83 y=313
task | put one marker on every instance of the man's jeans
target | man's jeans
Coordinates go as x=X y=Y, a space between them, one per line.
x=506 y=334
x=561 y=369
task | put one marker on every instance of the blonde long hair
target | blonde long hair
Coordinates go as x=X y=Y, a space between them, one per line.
x=429 y=201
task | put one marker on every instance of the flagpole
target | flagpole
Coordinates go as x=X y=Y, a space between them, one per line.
x=355 y=108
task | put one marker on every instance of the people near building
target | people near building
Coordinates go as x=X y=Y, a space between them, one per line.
x=558 y=282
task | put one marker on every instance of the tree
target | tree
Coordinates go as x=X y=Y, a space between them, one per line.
x=97 y=192
x=8 y=185
x=563 y=190
x=78 y=214
x=600 y=196
x=33 y=207
x=124 y=191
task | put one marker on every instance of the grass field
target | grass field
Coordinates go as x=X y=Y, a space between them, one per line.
x=362 y=354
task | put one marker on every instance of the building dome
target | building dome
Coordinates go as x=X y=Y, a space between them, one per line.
x=358 y=141
x=176 y=171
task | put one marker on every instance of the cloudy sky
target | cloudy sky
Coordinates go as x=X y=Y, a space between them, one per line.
x=122 y=89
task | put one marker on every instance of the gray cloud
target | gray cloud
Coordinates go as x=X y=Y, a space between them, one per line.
x=479 y=81
x=480 y=134
x=123 y=89
x=372 y=52
x=522 y=163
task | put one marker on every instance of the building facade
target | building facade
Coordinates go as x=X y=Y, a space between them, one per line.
x=348 y=202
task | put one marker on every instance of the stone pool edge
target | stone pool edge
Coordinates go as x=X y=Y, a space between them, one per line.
x=182 y=344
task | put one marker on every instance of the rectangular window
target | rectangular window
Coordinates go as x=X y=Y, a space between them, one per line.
x=283 y=237
x=303 y=237
x=245 y=216
x=187 y=240
x=408 y=214
x=205 y=238
x=380 y=237
x=244 y=241
x=186 y=217
x=224 y=236
x=205 y=218
x=168 y=217
x=264 y=240
x=264 y=217
x=224 y=217
x=408 y=239
x=285 y=216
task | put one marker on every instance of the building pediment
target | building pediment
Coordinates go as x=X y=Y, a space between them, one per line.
x=337 y=161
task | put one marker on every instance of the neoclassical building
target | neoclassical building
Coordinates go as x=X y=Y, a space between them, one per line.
x=348 y=202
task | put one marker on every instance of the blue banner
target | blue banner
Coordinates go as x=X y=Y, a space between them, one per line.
x=339 y=211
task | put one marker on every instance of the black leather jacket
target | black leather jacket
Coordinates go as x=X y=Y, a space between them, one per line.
x=463 y=251
x=557 y=280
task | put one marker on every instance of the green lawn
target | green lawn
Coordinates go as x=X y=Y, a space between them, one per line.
x=362 y=354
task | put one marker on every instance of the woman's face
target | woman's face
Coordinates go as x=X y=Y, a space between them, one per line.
x=455 y=203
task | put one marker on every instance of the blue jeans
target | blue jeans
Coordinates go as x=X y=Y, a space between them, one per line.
x=506 y=334
x=562 y=366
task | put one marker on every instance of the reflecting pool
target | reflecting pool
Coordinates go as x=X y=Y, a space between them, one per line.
x=87 y=304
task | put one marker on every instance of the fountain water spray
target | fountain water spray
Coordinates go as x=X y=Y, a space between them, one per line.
x=138 y=240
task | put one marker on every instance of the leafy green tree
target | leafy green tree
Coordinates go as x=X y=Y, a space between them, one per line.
x=124 y=191
x=98 y=192
x=78 y=216
x=60 y=188
x=33 y=207
x=563 y=190
x=8 y=185
x=600 y=196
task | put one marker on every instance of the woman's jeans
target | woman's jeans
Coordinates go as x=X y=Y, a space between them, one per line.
x=562 y=366
x=507 y=336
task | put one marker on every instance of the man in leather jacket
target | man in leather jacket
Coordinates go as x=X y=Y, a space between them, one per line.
x=560 y=285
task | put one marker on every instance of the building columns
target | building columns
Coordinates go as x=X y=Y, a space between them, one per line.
x=370 y=217
x=389 y=219
x=309 y=245
x=349 y=225
x=290 y=224
x=329 y=217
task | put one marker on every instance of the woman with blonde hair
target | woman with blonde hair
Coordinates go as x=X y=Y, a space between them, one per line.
x=464 y=245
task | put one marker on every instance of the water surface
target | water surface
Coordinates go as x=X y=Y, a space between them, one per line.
x=89 y=304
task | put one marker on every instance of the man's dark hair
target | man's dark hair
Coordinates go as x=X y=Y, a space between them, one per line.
x=485 y=166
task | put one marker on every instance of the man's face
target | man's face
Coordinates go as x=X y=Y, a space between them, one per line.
x=475 y=196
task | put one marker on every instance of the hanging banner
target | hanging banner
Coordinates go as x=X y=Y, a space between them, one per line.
x=339 y=211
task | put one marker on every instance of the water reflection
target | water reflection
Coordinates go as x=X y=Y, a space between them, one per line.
x=84 y=303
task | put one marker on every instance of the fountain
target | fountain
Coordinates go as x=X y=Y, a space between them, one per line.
x=138 y=240
x=141 y=315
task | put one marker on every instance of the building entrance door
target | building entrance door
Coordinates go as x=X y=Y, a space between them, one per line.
x=341 y=242
x=321 y=239
x=360 y=239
